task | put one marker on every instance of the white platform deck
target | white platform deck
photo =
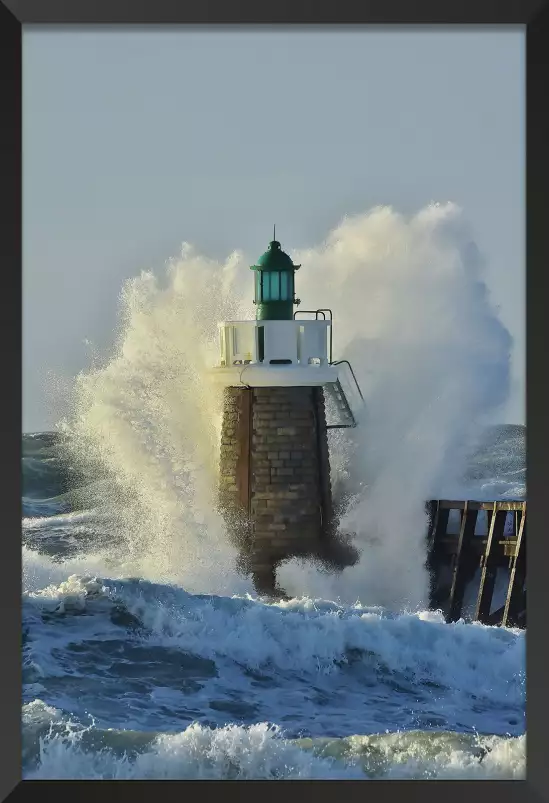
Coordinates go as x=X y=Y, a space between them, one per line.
x=295 y=354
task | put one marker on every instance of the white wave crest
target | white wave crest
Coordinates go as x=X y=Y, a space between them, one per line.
x=304 y=635
x=261 y=752
x=412 y=313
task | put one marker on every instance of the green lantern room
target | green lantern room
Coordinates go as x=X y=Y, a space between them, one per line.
x=274 y=285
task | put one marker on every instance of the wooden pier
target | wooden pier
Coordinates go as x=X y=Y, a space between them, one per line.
x=466 y=560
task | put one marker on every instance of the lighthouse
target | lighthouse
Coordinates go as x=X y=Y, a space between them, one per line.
x=274 y=473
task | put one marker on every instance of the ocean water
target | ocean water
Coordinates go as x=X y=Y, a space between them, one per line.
x=147 y=655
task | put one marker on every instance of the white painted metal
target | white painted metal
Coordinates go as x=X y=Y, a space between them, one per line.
x=259 y=375
x=312 y=342
x=302 y=345
x=300 y=342
x=238 y=342
x=280 y=341
x=242 y=343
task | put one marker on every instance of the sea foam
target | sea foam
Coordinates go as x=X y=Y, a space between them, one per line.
x=412 y=313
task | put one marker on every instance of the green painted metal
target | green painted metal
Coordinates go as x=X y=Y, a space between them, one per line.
x=274 y=285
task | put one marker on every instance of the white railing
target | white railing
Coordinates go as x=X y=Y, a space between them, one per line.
x=284 y=342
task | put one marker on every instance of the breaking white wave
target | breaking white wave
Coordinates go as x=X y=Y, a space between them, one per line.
x=412 y=313
x=69 y=751
x=153 y=593
x=306 y=635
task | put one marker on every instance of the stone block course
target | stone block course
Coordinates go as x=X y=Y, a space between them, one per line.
x=287 y=478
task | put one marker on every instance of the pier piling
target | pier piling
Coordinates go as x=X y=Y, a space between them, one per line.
x=454 y=560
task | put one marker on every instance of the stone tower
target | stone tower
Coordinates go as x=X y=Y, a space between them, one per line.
x=275 y=489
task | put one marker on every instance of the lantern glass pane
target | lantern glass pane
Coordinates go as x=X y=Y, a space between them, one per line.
x=258 y=286
x=275 y=285
x=285 y=286
x=266 y=296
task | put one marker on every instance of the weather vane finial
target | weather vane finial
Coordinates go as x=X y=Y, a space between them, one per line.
x=274 y=231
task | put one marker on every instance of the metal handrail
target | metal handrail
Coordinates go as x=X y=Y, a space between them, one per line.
x=340 y=362
x=309 y=312
x=324 y=311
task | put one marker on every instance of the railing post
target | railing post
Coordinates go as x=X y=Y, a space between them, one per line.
x=517 y=576
x=437 y=530
x=462 y=563
x=489 y=567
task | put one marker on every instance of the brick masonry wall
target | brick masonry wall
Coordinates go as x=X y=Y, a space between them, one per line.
x=234 y=464
x=274 y=473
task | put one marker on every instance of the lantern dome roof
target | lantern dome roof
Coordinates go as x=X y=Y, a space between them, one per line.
x=274 y=258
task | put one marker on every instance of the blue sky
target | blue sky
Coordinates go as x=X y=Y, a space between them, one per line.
x=137 y=139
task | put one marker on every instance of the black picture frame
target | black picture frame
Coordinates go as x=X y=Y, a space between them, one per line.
x=534 y=15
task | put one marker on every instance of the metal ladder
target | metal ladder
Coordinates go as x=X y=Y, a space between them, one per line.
x=337 y=394
x=334 y=389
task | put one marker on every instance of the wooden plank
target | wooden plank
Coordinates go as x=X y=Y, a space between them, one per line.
x=431 y=509
x=514 y=601
x=438 y=526
x=437 y=530
x=473 y=505
x=489 y=565
x=502 y=548
x=464 y=562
